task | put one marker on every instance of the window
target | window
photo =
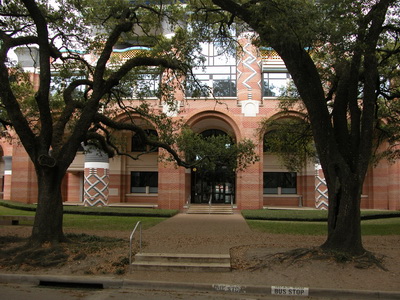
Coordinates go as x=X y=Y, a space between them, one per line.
x=144 y=182
x=217 y=85
x=280 y=183
x=59 y=84
x=139 y=86
x=224 y=86
x=275 y=84
x=138 y=144
x=218 y=76
x=147 y=85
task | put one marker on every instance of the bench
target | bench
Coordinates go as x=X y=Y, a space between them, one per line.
x=14 y=220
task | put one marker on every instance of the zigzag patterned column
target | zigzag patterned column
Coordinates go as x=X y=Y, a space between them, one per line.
x=96 y=178
x=249 y=77
x=321 y=190
x=7 y=177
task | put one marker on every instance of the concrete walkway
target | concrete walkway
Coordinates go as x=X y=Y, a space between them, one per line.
x=210 y=234
x=191 y=233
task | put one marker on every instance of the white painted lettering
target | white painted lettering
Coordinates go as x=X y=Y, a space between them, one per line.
x=289 y=291
x=227 y=288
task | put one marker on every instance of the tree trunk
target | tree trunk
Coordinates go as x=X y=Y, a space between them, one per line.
x=344 y=227
x=47 y=226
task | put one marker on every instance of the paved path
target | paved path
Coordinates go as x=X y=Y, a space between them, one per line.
x=192 y=233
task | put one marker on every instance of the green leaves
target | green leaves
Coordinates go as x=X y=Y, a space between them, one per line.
x=291 y=139
x=216 y=150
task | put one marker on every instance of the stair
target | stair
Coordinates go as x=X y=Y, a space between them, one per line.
x=182 y=262
x=213 y=209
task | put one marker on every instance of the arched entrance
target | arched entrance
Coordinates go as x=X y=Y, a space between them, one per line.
x=216 y=184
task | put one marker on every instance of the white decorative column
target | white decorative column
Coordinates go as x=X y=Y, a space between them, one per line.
x=7 y=177
x=97 y=178
x=321 y=189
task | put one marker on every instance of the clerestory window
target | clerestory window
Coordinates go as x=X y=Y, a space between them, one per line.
x=276 y=84
x=218 y=76
x=144 y=182
x=280 y=183
x=138 y=144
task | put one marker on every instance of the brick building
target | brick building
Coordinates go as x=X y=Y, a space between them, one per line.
x=247 y=87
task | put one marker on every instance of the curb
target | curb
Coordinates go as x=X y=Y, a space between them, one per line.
x=113 y=283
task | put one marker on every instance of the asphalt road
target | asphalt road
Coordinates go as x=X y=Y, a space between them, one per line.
x=28 y=292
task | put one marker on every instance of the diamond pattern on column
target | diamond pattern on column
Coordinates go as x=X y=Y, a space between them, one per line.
x=321 y=191
x=96 y=187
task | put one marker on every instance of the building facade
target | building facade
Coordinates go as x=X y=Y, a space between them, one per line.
x=247 y=87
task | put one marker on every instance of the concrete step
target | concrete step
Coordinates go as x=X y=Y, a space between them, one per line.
x=183 y=257
x=214 y=209
x=182 y=262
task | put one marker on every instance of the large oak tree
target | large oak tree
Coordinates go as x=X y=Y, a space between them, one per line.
x=80 y=104
x=340 y=91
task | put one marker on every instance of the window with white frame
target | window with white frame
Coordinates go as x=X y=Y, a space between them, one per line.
x=60 y=83
x=146 y=85
x=140 y=85
x=138 y=145
x=218 y=76
x=275 y=84
x=144 y=182
x=280 y=183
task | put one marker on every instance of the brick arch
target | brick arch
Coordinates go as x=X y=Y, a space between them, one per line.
x=141 y=121
x=287 y=115
x=281 y=116
x=204 y=120
x=124 y=117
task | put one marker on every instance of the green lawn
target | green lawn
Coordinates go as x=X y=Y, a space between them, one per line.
x=93 y=222
x=288 y=227
x=109 y=211
x=308 y=214
x=15 y=212
x=108 y=222
x=383 y=226
x=368 y=227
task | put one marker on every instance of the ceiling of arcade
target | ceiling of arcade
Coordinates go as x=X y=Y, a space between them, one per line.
x=212 y=122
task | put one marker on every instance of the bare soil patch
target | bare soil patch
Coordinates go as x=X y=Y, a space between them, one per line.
x=256 y=260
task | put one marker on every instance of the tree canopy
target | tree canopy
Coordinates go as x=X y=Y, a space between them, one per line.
x=343 y=57
x=83 y=86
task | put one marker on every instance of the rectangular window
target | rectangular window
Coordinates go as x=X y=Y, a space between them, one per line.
x=59 y=84
x=139 y=86
x=275 y=83
x=217 y=78
x=224 y=86
x=144 y=182
x=139 y=146
x=212 y=85
x=280 y=183
x=146 y=86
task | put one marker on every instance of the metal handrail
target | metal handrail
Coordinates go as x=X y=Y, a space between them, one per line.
x=131 y=238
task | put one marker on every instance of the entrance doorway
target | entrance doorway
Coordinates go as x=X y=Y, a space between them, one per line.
x=213 y=180
x=213 y=186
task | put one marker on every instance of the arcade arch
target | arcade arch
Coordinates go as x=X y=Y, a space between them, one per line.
x=213 y=185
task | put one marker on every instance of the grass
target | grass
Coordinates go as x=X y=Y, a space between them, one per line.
x=12 y=212
x=285 y=215
x=381 y=227
x=368 y=227
x=93 y=222
x=299 y=222
x=289 y=227
x=309 y=214
x=103 y=211
x=105 y=223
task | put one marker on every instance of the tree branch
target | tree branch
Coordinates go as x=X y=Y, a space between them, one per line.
x=140 y=131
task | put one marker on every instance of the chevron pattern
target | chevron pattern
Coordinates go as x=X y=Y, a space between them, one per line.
x=248 y=62
x=96 y=187
x=321 y=191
